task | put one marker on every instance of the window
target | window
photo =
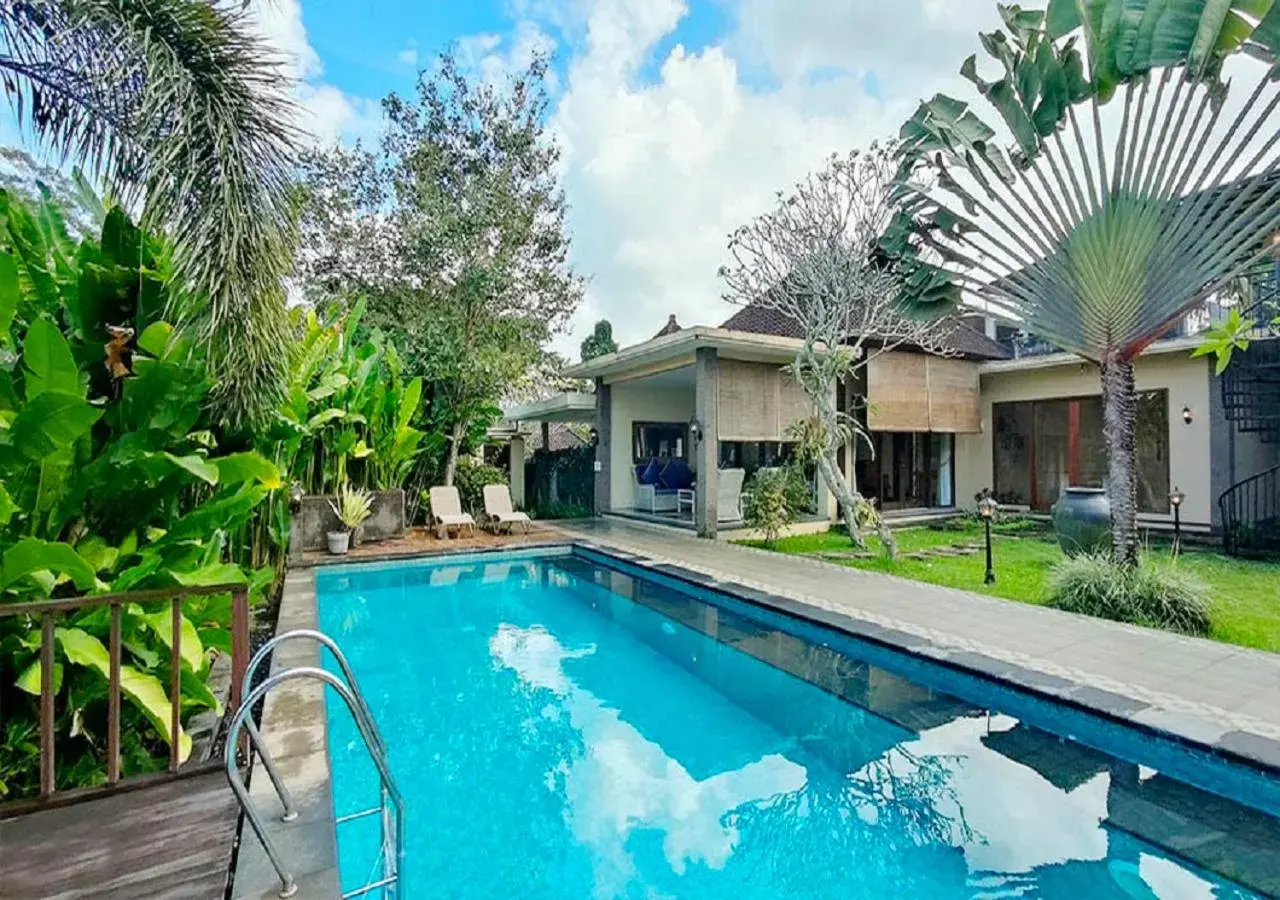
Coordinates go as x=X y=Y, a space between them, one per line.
x=1044 y=446
x=659 y=440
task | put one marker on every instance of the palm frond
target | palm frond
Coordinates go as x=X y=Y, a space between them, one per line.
x=1140 y=179
x=179 y=105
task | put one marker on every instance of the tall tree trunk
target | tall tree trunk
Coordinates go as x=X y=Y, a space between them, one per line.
x=1120 y=417
x=451 y=461
x=844 y=496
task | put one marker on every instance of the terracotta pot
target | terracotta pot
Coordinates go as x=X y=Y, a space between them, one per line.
x=1082 y=520
x=339 y=542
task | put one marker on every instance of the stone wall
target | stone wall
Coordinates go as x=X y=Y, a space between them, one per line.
x=315 y=520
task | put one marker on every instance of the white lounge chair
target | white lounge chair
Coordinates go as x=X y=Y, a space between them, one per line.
x=446 y=511
x=729 y=494
x=497 y=506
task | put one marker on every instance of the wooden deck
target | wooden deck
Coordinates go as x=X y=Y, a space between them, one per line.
x=172 y=840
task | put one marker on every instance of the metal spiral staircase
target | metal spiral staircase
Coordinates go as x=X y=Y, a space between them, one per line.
x=1251 y=399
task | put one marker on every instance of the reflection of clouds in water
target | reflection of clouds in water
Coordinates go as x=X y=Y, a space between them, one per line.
x=625 y=783
x=1025 y=820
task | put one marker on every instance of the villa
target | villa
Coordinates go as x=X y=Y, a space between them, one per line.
x=998 y=410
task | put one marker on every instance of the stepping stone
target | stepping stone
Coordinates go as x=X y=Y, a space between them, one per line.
x=839 y=555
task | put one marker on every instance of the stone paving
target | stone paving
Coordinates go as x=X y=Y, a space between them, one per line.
x=1212 y=694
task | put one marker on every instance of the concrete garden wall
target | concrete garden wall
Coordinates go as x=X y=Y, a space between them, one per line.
x=315 y=520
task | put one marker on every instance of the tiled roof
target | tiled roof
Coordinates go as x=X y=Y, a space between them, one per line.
x=563 y=437
x=965 y=339
x=671 y=327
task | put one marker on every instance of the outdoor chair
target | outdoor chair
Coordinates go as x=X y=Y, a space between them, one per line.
x=498 y=509
x=446 y=512
x=729 y=494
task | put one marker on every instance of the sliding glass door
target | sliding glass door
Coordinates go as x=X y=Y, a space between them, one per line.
x=1042 y=447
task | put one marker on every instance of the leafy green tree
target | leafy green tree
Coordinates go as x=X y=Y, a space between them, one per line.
x=454 y=234
x=1139 y=182
x=600 y=342
x=186 y=113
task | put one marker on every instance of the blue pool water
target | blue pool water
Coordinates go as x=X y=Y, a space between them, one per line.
x=561 y=729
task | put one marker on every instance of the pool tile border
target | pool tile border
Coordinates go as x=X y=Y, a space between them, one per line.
x=1194 y=725
x=295 y=728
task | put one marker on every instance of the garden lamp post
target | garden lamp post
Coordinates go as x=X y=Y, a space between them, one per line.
x=987 y=508
x=1175 y=500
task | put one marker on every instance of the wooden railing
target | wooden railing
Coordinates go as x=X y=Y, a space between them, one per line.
x=48 y=611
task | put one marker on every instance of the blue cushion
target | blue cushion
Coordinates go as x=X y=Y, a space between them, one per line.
x=649 y=474
x=677 y=476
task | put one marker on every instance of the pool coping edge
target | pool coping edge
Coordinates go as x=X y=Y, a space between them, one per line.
x=1242 y=747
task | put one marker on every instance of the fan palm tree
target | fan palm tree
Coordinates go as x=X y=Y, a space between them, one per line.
x=183 y=111
x=1139 y=181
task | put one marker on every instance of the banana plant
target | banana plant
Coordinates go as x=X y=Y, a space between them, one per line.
x=108 y=483
x=1126 y=179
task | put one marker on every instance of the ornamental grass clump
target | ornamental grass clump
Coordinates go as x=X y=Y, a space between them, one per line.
x=1159 y=595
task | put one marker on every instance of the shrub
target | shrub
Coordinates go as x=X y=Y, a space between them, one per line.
x=562 y=509
x=1154 y=594
x=471 y=479
x=764 y=503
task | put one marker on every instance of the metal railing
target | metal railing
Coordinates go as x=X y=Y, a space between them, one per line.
x=1251 y=515
x=390 y=808
x=47 y=613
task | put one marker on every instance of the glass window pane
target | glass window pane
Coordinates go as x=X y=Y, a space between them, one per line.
x=1152 y=444
x=659 y=440
x=1052 y=449
x=1092 y=464
x=1013 y=453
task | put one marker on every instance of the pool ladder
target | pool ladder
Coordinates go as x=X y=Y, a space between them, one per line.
x=390 y=808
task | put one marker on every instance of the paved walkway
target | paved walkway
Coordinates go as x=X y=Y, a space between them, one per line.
x=1214 y=694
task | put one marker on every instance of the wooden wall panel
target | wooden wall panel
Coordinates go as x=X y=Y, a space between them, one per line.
x=898 y=392
x=954 y=403
x=758 y=401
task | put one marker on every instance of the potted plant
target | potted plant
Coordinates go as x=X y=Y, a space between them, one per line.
x=352 y=506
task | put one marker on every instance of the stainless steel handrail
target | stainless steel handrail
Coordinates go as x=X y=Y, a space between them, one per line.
x=392 y=832
x=251 y=670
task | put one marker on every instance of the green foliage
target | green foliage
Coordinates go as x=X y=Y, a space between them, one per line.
x=560 y=482
x=1223 y=339
x=561 y=509
x=471 y=480
x=1160 y=595
x=352 y=506
x=454 y=233
x=181 y=105
x=109 y=481
x=764 y=504
x=600 y=342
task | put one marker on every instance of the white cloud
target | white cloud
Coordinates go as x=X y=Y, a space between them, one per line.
x=659 y=170
x=325 y=113
x=497 y=57
x=409 y=55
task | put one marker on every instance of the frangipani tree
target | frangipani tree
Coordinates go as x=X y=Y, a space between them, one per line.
x=815 y=260
x=1140 y=179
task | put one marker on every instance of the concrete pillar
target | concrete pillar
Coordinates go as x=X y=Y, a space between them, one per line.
x=707 y=449
x=604 y=447
x=517 y=470
x=546 y=437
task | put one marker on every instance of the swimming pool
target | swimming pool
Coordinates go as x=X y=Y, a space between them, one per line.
x=564 y=725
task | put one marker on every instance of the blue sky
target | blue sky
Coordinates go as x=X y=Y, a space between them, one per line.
x=678 y=120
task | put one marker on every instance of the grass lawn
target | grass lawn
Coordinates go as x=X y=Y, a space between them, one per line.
x=1246 y=595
